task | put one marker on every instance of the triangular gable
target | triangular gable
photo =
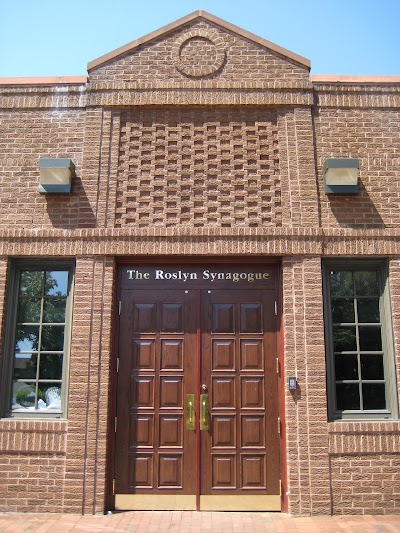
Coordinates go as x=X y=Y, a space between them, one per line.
x=184 y=21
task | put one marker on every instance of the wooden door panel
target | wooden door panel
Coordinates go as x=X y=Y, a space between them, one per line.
x=172 y=354
x=252 y=392
x=253 y=471
x=142 y=389
x=170 y=471
x=142 y=434
x=171 y=431
x=144 y=317
x=251 y=354
x=252 y=431
x=223 y=354
x=143 y=354
x=172 y=318
x=171 y=392
x=223 y=318
x=239 y=351
x=251 y=318
x=157 y=369
x=223 y=392
x=224 y=471
x=223 y=431
x=141 y=471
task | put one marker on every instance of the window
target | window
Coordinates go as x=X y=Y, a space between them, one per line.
x=37 y=340
x=360 y=360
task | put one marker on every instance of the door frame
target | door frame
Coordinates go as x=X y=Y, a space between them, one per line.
x=194 y=260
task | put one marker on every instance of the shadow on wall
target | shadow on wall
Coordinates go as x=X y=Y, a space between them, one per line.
x=355 y=211
x=73 y=211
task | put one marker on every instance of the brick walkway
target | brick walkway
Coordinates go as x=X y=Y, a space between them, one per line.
x=192 y=522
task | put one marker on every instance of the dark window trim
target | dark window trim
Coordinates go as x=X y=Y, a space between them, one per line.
x=15 y=266
x=381 y=266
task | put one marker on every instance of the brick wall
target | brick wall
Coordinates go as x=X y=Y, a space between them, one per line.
x=216 y=157
x=26 y=136
x=372 y=136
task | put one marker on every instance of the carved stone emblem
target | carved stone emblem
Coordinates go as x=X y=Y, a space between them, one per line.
x=199 y=53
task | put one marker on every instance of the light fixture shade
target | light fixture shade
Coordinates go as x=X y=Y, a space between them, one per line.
x=55 y=175
x=341 y=176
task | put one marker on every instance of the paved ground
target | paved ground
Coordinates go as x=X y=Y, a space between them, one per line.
x=192 y=522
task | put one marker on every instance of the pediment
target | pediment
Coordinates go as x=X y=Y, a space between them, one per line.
x=199 y=47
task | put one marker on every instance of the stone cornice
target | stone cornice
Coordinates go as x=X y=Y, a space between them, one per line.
x=199 y=92
x=188 y=241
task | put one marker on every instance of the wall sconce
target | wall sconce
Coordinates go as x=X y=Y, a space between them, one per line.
x=341 y=176
x=55 y=175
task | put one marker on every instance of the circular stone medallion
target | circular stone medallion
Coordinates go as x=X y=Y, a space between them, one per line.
x=199 y=53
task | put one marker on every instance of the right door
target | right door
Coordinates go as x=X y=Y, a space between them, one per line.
x=239 y=422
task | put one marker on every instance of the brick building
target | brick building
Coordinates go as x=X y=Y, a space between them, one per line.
x=152 y=316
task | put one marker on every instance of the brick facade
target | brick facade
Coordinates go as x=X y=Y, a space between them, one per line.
x=200 y=140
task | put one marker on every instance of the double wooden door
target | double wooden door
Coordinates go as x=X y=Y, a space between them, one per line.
x=197 y=399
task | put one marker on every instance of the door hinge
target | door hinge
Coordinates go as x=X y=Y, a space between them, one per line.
x=117 y=365
x=113 y=489
x=115 y=424
x=276 y=309
x=277 y=365
x=119 y=307
x=280 y=487
x=279 y=425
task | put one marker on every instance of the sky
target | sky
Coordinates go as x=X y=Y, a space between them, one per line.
x=60 y=37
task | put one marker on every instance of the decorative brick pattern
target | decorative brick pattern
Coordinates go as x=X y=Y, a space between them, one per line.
x=198 y=168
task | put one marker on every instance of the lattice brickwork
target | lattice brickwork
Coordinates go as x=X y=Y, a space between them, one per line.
x=198 y=168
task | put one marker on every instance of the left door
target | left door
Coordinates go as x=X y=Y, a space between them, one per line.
x=156 y=447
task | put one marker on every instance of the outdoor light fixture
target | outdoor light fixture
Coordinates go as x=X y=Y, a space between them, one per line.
x=341 y=176
x=55 y=175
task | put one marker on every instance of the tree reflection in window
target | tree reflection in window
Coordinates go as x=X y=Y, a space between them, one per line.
x=39 y=339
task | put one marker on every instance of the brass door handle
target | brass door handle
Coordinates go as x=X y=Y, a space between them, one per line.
x=190 y=412
x=204 y=418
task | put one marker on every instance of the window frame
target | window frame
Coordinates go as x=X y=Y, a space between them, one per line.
x=10 y=326
x=381 y=268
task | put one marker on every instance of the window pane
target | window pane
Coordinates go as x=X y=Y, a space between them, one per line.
x=27 y=338
x=52 y=338
x=374 y=395
x=56 y=283
x=54 y=310
x=25 y=366
x=31 y=283
x=366 y=283
x=23 y=395
x=50 y=394
x=341 y=283
x=347 y=396
x=342 y=310
x=370 y=338
x=29 y=310
x=372 y=366
x=50 y=366
x=344 y=339
x=346 y=367
x=368 y=310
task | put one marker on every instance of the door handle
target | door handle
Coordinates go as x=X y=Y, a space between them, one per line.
x=190 y=412
x=204 y=418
